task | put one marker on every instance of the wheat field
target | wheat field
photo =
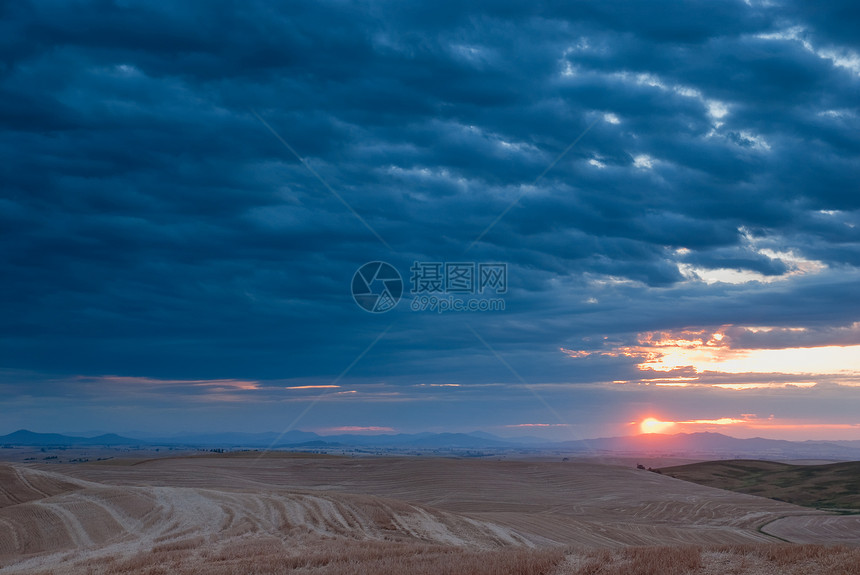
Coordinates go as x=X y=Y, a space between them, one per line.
x=280 y=513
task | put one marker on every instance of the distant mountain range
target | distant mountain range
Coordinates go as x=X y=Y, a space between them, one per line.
x=681 y=444
x=22 y=437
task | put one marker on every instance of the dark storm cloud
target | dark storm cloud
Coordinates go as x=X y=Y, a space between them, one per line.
x=153 y=227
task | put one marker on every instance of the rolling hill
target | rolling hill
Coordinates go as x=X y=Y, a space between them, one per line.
x=834 y=487
x=324 y=515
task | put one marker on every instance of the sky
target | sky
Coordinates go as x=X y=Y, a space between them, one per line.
x=640 y=211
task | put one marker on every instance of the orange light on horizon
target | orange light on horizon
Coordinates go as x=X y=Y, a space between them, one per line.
x=654 y=425
x=750 y=425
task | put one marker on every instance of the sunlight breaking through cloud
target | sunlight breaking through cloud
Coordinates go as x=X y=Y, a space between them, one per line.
x=705 y=352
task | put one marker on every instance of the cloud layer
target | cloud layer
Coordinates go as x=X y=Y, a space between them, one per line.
x=153 y=227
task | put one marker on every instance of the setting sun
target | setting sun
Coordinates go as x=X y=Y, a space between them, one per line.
x=652 y=425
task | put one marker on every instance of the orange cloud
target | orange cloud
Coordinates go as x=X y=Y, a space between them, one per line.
x=231 y=384
x=575 y=353
x=720 y=421
x=711 y=352
x=767 y=385
x=313 y=387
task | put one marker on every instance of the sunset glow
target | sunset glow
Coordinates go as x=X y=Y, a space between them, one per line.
x=700 y=355
x=795 y=360
x=749 y=425
x=652 y=425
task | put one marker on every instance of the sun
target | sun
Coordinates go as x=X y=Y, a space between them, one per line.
x=652 y=425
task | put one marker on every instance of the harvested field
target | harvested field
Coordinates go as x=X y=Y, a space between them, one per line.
x=376 y=515
x=19 y=485
x=827 y=529
x=109 y=521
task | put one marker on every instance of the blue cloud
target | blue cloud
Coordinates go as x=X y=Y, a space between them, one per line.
x=153 y=227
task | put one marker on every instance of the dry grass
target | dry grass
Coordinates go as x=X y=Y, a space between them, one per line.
x=722 y=560
x=638 y=561
x=328 y=556
x=344 y=557
x=799 y=559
